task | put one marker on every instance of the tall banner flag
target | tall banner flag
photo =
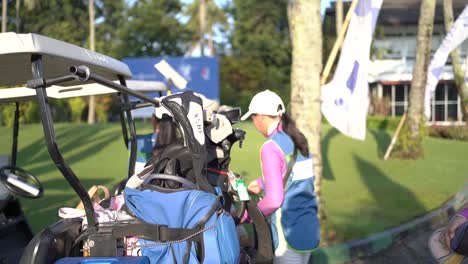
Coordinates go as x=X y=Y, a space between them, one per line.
x=345 y=98
x=457 y=34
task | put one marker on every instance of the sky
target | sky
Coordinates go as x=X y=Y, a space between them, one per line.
x=323 y=5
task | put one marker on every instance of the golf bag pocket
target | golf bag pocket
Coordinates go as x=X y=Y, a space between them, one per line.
x=181 y=227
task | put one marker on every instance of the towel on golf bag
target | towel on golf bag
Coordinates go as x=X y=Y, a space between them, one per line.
x=214 y=239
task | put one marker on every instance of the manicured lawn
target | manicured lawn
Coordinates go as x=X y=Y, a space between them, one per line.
x=362 y=194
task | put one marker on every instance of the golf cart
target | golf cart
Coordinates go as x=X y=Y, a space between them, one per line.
x=15 y=232
x=51 y=69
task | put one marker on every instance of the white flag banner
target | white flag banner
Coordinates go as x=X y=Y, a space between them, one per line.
x=345 y=99
x=457 y=34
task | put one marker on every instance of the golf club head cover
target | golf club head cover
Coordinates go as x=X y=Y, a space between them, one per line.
x=187 y=110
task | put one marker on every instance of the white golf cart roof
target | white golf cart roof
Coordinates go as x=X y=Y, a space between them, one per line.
x=57 y=57
x=60 y=92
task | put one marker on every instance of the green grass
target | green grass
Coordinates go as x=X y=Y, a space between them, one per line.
x=362 y=194
x=96 y=154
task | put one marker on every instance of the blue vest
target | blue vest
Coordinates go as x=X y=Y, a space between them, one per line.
x=296 y=221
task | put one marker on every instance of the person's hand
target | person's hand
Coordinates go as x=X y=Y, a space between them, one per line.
x=449 y=232
x=254 y=187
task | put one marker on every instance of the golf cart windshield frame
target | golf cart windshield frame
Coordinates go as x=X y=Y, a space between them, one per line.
x=42 y=62
x=83 y=74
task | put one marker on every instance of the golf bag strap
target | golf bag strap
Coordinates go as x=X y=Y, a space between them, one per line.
x=155 y=232
x=263 y=242
x=290 y=167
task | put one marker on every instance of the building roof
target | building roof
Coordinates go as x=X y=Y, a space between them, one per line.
x=404 y=12
x=401 y=71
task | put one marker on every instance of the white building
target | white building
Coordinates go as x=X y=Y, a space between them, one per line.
x=393 y=57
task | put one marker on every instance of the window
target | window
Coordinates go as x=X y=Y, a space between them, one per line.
x=400 y=93
x=452 y=93
x=445 y=103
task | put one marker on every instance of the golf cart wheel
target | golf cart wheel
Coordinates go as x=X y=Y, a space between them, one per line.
x=21 y=182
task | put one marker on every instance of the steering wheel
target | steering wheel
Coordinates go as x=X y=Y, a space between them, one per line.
x=21 y=182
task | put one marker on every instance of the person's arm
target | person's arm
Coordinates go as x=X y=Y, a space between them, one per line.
x=454 y=223
x=273 y=164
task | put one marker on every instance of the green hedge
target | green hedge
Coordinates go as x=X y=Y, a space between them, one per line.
x=378 y=122
x=383 y=122
x=449 y=132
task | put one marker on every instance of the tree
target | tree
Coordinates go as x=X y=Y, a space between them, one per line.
x=214 y=16
x=306 y=36
x=111 y=17
x=261 y=50
x=153 y=29
x=455 y=56
x=339 y=16
x=62 y=20
x=17 y=18
x=410 y=141
x=91 y=101
x=4 y=15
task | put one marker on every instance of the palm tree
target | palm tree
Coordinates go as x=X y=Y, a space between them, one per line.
x=339 y=16
x=4 y=15
x=306 y=35
x=29 y=4
x=91 y=106
x=411 y=139
x=455 y=56
x=203 y=16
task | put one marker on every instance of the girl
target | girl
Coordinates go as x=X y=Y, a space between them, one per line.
x=292 y=205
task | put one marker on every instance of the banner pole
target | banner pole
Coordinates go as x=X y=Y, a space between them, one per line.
x=395 y=136
x=338 y=43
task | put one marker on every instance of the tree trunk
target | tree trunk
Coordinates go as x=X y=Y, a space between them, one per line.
x=306 y=36
x=91 y=106
x=202 y=17
x=338 y=16
x=4 y=15
x=211 y=44
x=456 y=62
x=411 y=140
x=17 y=20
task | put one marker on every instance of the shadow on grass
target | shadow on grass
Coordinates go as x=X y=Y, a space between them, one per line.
x=327 y=170
x=87 y=142
x=392 y=199
x=68 y=138
x=43 y=212
x=382 y=138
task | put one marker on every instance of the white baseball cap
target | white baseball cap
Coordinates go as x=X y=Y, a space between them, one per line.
x=265 y=103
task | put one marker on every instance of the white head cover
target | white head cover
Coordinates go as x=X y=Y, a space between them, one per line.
x=207 y=105
x=265 y=103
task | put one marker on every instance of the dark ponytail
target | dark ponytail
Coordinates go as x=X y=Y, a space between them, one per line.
x=300 y=141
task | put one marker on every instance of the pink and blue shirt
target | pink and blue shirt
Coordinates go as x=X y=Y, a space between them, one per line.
x=293 y=209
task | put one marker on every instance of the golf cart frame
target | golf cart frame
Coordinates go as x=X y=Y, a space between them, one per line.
x=48 y=58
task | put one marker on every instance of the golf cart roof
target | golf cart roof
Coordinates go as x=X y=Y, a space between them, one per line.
x=57 y=57
x=146 y=86
x=18 y=94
